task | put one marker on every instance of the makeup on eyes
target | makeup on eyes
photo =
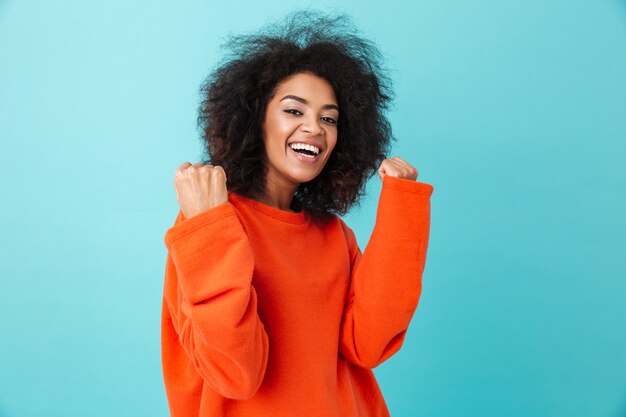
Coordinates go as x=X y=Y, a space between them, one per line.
x=291 y=110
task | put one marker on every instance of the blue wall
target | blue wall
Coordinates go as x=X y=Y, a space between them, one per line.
x=515 y=111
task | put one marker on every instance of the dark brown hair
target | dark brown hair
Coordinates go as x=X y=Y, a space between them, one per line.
x=236 y=93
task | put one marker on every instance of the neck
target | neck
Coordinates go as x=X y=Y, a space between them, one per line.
x=278 y=194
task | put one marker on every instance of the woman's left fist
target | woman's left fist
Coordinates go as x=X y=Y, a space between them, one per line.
x=397 y=167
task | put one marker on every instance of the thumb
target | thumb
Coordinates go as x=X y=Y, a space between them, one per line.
x=381 y=172
x=219 y=168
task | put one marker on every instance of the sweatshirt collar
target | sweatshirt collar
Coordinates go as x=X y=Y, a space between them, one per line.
x=300 y=217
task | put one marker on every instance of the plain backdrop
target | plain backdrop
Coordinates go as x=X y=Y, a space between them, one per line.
x=515 y=111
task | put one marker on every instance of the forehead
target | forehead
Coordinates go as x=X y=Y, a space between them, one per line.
x=306 y=85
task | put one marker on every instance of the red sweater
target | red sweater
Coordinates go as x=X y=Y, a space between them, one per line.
x=267 y=313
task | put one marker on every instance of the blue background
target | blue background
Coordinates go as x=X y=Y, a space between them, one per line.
x=515 y=111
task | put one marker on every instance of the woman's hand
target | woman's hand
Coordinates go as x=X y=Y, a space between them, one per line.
x=397 y=167
x=199 y=187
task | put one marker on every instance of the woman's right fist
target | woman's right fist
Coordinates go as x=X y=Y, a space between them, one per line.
x=199 y=187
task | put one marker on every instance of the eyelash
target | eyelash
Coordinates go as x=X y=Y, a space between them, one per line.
x=334 y=122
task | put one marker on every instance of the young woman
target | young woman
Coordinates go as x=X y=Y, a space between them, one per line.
x=270 y=308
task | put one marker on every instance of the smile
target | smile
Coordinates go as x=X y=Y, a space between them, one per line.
x=304 y=149
x=303 y=154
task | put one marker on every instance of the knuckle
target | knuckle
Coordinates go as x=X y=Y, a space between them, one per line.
x=217 y=175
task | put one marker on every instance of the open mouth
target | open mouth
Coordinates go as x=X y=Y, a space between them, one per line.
x=303 y=149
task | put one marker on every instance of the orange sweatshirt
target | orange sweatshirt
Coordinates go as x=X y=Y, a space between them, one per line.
x=267 y=313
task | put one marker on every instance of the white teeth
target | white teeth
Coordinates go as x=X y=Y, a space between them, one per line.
x=311 y=148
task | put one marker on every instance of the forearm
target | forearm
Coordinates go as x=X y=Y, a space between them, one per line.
x=387 y=279
x=211 y=301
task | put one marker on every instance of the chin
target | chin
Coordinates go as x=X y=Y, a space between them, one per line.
x=301 y=177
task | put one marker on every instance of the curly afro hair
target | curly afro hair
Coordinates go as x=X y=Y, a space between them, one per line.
x=236 y=93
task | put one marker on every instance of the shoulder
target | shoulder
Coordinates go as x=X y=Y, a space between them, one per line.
x=348 y=233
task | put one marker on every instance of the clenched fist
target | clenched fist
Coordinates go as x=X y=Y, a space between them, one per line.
x=397 y=167
x=199 y=187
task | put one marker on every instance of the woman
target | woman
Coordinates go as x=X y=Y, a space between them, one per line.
x=270 y=309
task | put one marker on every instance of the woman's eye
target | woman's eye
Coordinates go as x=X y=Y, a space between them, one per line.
x=292 y=111
x=330 y=120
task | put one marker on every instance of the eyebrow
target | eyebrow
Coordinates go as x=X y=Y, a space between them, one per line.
x=304 y=101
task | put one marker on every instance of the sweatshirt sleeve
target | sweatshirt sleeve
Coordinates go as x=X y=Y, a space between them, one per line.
x=212 y=303
x=386 y=280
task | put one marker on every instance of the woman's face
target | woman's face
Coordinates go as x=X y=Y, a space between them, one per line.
x=300 y=128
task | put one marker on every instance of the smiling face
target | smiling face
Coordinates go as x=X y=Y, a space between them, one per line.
x=299 y=129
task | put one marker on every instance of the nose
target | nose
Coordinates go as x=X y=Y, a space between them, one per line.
x=311 y=125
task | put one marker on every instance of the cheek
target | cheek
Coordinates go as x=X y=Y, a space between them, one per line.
x=332 y=142
x=278 y=130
